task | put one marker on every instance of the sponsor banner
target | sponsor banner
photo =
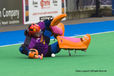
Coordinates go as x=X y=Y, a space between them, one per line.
x=38 y=10
x=10 y=12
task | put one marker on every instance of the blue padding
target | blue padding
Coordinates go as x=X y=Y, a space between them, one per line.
x=47 y=23
x=24 y=50
x=47 y=33
x=54 y=48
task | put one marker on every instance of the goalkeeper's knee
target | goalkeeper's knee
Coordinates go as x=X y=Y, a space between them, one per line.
x=24 y=50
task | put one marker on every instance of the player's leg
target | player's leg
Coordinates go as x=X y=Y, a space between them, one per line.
x=23 y=49
x=74 y=43
x=53 y=49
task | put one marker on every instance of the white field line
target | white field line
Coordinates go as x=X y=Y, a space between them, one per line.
x=70 y=36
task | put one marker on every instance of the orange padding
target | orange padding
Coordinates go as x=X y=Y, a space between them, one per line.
x=58 y=29
x=67 y=44
x=61 y=25
x=58 y=19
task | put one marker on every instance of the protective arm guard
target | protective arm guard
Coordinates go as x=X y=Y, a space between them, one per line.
x=58 y=30
x=57 y=27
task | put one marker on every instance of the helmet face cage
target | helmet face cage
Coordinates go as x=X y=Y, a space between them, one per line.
x=34 y=30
